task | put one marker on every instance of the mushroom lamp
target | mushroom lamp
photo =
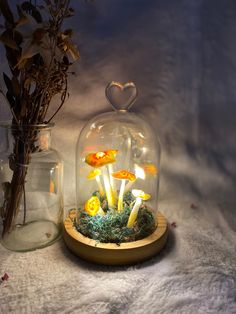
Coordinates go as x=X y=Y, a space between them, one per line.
x=123 y=175
x=102 y=159
x=117 y=158
x=140 y=196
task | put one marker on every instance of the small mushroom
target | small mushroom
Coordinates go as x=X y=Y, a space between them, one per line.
x=95 y=174
x=150 y=169
x=93 y=207
x=140 y=196
x=123 y=175
x=101 y=159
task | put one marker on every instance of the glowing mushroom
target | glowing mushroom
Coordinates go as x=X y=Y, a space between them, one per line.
x=110 y=170
x=139 y=173
x=140 y=196
x=101 y=159
x=123 y=175
x=150 y=169
x=95 y=174
x=93 y=207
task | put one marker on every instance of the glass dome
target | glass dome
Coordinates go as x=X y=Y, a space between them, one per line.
x=117 y=176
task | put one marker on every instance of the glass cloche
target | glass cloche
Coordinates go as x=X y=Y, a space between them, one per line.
x=117 y=173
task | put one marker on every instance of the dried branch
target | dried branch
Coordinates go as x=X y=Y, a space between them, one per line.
x=38 y=51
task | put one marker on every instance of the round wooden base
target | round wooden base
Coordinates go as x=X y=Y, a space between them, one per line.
x=111 y=253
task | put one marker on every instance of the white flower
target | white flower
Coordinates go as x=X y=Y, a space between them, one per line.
x=35 y=40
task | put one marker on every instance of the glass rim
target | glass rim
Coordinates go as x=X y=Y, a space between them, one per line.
x=8 y=125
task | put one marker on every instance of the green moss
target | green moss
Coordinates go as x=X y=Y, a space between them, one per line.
x=112 y=228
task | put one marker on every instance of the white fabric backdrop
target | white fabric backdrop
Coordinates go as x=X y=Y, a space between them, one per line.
x=182 y=56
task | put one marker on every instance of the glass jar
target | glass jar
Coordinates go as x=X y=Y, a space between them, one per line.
x=31 y=197
x=117 y=174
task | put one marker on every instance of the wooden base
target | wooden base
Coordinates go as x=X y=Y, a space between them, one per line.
x=111 y=253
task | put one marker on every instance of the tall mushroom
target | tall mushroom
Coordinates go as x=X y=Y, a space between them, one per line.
x=110 y=171
x=140 y=196
x=95 y=174
x=93 y=207
x=139 y=173
x=123 y=175
x=98 y=160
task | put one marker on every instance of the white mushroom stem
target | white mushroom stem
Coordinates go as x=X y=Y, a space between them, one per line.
x=121 y=195
x=112 y=181
x=108 y=190
x=139 y=173
x=134 y=212
x=100 y=187
x=128 y=186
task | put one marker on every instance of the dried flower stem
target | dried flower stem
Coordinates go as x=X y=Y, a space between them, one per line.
x=17 y=188
x=39 y=65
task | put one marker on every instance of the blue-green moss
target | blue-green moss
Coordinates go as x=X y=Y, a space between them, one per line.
x=112 y=228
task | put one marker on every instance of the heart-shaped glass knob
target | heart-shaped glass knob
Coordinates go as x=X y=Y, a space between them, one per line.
x=121 y=96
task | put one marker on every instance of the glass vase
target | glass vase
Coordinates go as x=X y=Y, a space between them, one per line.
x=31 y=197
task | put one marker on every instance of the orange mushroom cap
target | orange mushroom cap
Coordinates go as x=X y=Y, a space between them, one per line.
x=100 y=159
x=124 y=174
x=92 y=205
x=150 y=168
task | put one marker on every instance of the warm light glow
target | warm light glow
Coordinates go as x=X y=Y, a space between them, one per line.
x=139 y=172
x=134 y=213
x=52 y=187
x=150 y=169
x=108 y=190
x=94 y=174
x=100 y=187
x=144 y=149
x=100 y=155
x=121 y=196
x=123 y=175
x=140 y=195
x=92 y=206
x=112 y=181
x=100 y=159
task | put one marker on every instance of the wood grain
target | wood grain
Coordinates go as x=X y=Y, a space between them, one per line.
x=111 y=253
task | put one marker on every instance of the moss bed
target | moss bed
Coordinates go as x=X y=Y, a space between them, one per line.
x=112 y=228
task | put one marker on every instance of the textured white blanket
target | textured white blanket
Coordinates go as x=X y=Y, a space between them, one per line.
x=194 y=274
